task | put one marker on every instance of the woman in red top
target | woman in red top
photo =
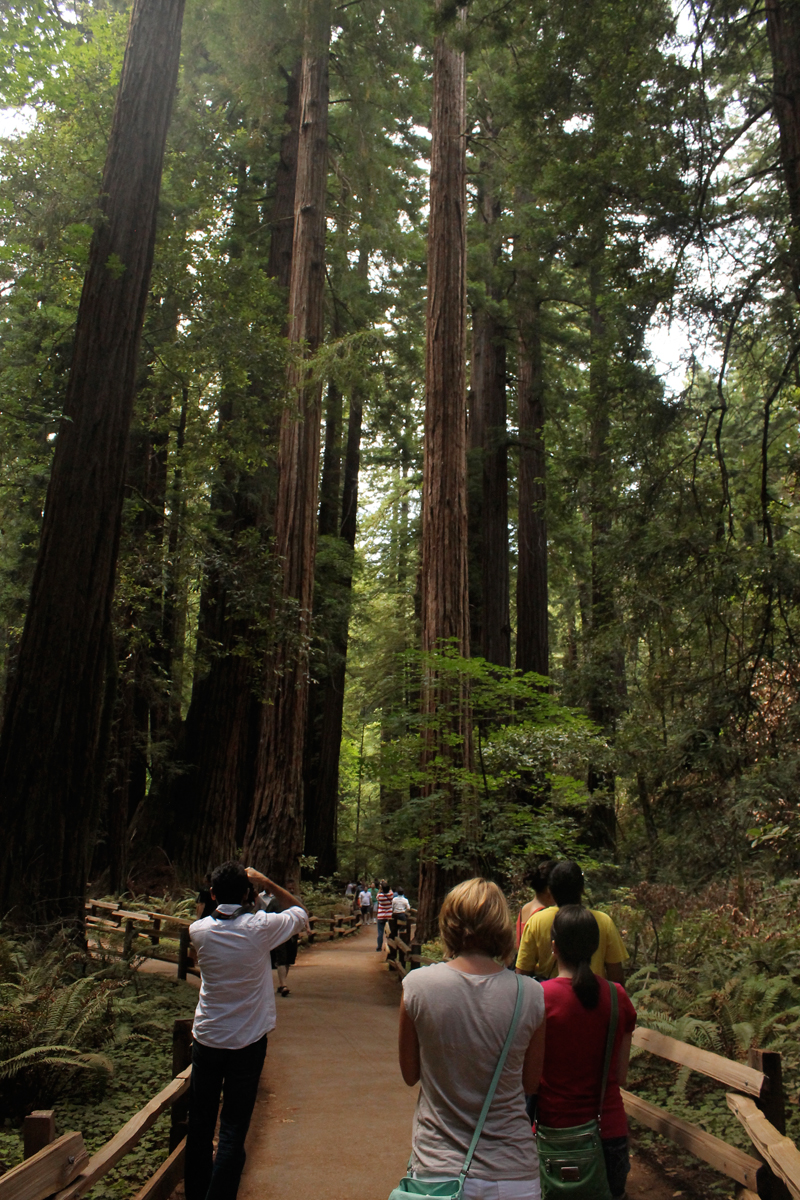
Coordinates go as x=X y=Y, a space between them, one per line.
x=578 y=1009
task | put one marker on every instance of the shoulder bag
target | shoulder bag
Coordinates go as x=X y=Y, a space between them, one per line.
x=453 y=1189
x=571 y=1161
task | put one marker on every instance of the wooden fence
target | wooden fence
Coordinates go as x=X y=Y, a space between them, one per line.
x=143 y=930
x=61 y=1168
x=757 y=1101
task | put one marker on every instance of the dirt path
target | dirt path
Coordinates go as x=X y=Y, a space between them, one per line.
x=333 y=1116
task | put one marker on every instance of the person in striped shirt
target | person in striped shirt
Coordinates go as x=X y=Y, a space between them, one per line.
x=384 y=911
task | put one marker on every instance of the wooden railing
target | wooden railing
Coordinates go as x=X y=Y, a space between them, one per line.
x=63 y=1170
x=757 y=1102
x=144 y=929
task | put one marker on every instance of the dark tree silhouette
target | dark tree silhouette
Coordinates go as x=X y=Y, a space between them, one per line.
x=54 y=740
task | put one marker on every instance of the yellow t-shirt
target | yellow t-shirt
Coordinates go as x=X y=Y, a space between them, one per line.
x=535 y=949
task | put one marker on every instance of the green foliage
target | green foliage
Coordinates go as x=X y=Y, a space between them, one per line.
x=95 y=1045
x=720 y=970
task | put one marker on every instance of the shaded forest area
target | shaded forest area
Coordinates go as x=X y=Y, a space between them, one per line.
x=430 y=506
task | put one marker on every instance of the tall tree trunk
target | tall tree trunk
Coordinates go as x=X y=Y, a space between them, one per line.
x=281 y=218
x=322 y=770
x=444 y=575
x=212 y=797
x=783 y=31
x=491 y=443
x=605 y=665
x=532 y=626
x=275 y=832
x=55 y=733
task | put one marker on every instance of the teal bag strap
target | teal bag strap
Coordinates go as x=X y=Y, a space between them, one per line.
x=612 y=1030
x=501 y=1062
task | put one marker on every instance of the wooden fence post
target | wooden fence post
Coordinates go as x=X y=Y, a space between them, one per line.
x=181 y=1059
x=416 y=951
x=38 y=1131
x=773 y=1106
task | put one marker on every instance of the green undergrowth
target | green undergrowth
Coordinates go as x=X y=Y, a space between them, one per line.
x=96 y=1047
x=719 y=970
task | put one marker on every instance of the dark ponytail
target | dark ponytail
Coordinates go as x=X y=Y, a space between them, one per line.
x=577 y=936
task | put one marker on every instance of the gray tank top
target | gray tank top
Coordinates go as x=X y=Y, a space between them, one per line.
x=462 y=1022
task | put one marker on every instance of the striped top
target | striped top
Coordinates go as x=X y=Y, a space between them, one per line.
x=385 y=905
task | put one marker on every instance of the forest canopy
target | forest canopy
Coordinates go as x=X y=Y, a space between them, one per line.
x=456 y=499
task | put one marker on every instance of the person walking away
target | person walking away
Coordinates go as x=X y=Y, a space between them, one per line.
x=400 y=910
x=284 y=956
x=535 y=956
x=536 y=878
x=205 y=905
x=383 y=911
x=578 y=1007
x=454 y=1019
x=348 y=891
x=365 y=904
x=234 y=1015
x=373 y=891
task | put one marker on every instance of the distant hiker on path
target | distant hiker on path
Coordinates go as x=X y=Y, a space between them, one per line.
x=536 y=956
x=235 y=1012
x=383 y=913
x=365 y=904
x=400 y=910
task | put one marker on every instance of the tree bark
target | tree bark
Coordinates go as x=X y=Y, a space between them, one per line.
x=605 y=667
x=444 y=573
x=532 y=597
x=55 y=733
x=326 y=710
x=274 y=837
x=490 y=442
x=783 y=32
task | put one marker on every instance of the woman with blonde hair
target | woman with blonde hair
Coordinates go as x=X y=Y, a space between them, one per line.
x=454 y=1020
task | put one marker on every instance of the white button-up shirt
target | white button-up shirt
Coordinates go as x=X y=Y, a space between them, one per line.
x=237 y=1002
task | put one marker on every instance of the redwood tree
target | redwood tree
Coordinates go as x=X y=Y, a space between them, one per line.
x=444 y=576
x=274 y=838
x=532 y=632
x=54 y=738
x=783 y=31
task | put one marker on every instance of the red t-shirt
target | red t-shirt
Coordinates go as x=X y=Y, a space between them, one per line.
x=574 y=1052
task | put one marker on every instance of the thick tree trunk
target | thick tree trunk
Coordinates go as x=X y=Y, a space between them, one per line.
x=212 y=797
x=281 y=219
x=274 y=838
x=783 y=31
x=532 y=625
x=490 y=442
x=444 y=574
x=605 y=665
x=325 y=737
x=55 y=734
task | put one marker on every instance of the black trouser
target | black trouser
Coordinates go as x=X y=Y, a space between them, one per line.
x=618 y=1163
x=235 y=1075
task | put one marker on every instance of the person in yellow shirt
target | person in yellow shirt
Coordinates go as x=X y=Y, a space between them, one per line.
x=536 y=956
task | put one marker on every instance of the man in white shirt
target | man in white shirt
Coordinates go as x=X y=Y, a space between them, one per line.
x=234 y=1014
x=365 y=904
x=400 y=910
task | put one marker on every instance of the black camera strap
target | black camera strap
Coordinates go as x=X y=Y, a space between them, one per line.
x=221 y=916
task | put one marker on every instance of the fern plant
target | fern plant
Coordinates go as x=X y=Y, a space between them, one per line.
x=53 y=1025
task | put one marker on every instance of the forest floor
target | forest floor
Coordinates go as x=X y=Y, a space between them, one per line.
x=333 y=1116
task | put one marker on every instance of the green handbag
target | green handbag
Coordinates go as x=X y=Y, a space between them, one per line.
x=453 y=1189
x=571 y=1162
